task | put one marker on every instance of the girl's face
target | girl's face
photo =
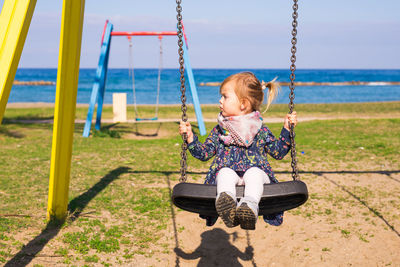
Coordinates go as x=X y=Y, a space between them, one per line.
x=229 y=103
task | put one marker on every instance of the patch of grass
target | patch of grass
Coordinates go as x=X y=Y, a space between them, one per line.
x=345 y=232
x=150 y=201
x=328 y=211
x=363 y=238
x=5 y=225
x=61 y=251
x=79 y=241
x=106 y=133
x=127 y=255
x=4 y=237
x=114 y=231
x=103 y=241
x=4 y=255
x=104 y=244
x=93 y=258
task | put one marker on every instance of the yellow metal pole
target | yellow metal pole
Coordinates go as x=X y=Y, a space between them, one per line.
x=15 y=19
x=64 y=113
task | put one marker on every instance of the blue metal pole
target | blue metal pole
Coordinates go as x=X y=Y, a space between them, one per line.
x=100 y=77
x=193 y=90
x=100 y=99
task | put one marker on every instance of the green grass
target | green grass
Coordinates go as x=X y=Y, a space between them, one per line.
x=119 y=185
x=209 y=111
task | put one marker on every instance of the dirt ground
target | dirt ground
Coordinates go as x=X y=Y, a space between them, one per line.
x=350 y=219
x=355 y=231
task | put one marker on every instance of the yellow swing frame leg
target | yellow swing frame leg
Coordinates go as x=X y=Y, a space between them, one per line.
x=15 y=18
x=64 y=113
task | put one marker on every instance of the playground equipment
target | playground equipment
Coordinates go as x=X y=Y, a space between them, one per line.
x=278 y=197
x=15 y=19
x=101 y=74
x=119 y=107
x=132 y=75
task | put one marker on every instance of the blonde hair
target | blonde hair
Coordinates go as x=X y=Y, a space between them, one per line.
x=248 y=87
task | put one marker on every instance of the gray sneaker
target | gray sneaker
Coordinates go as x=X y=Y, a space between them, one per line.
x=226 y=209
x=247 y=213
x=246 y=217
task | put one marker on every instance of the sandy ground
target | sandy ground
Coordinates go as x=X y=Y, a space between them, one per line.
x=338 y=226
x=315 y=240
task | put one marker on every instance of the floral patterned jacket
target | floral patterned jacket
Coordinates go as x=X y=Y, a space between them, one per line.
x=239 y=158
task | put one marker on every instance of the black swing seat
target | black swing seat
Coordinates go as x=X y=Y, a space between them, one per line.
x=200 y=198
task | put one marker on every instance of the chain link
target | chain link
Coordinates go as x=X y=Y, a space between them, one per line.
x=182 y=88
x=295 y=172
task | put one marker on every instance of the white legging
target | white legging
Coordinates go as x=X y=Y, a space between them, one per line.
x=253 y=178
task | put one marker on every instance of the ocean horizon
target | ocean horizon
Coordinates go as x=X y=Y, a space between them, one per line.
x=119 y=81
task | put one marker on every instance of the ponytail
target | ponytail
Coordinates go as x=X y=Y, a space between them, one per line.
x=273 y=90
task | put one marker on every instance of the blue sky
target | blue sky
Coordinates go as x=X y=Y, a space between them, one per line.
x=229 y=34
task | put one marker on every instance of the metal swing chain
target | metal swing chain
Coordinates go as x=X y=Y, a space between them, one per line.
x=182 y=88
x=295 y=172
x=160 y=66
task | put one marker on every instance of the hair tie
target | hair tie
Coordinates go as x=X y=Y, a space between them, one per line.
x=264 y=85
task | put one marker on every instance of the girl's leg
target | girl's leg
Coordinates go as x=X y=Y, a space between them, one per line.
x=247 y=213
x=254 y=180
x=226 y=181
x=225 y=202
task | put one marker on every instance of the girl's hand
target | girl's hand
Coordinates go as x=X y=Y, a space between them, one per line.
x=290 y=118
x=186 y=128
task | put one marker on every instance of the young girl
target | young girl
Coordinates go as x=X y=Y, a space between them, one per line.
x=240 y=143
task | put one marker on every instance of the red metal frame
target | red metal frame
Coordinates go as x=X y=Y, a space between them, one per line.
x=104 y=31
x=142 y=33
x=129 y=34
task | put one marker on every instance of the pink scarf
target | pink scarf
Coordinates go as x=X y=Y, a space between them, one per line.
x=240 y=130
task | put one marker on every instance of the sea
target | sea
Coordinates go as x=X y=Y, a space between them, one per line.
x=120 y=81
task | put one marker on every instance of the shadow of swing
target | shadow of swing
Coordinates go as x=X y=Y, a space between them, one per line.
x=9 y=133
x=75 y=208
x=138 y=133
x=121 y=129
x=215 y=248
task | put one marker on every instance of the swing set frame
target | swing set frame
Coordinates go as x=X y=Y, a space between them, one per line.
x=98 y=89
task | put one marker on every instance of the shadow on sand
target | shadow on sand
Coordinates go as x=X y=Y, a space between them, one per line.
x=215 y=248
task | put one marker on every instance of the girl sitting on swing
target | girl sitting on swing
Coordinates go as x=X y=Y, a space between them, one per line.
x=240 y=143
